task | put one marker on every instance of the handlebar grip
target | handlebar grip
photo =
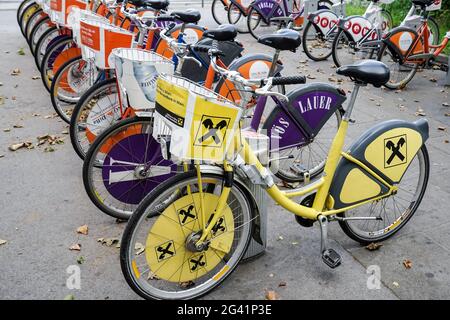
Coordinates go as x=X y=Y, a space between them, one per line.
x=288 y=80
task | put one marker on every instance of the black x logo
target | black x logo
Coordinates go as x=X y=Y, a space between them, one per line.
x=212 y=130
x=219 y=226
x=395 y=150
x=197 y=263
x=164 y=251
x=186 y=214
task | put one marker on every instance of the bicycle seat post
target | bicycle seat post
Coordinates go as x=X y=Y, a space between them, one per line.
x=351 y=103
x=274 y=63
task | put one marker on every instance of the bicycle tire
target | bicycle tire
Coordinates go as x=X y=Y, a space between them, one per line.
x=52 y=53
x=364 y=240
x=38 y=50
x=81 y=105
x=127 y=243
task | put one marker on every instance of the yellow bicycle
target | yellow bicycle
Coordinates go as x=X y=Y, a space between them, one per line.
x=191 y=232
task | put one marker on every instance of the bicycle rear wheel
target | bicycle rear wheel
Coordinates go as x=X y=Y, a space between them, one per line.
x=45 y=40
x=395 y=210
x=400 y=73
x=156 y=254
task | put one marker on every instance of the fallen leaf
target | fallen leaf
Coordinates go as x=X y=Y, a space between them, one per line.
x=13 y=98
x=446 y=141
x=2 y=100
x=17 y=126
x=49 y=149
x=442 y=128
x=7 y=130
x=282 y=284
x=35 y=77
x=447 y=114
x=2 y=242
x=445 y=104
x=36 y=115
x=310 y=77
x=83 y=229
x=15 y=72
x=1 y=84
x=64 y=132
x=271 y=295
x=108 y=241
x=17 y=146
x=75 y=247
x=433 y=79
x=420 y=112
x=280 y=238
x=81 y=260
x=374 y=246
x=294 y=243
x=395 y=284
x=271 y=275
x=69 y=297
x=407 y=263
x=2 y=156
x=21 y=52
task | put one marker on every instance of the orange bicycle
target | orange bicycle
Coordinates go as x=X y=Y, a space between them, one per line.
x=405 y=50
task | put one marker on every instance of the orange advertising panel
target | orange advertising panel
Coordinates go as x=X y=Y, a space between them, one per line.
x=116 y=40
x=90 y=35
x=56 y=5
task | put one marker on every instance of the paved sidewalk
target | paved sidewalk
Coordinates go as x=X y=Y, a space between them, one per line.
x=42 y=202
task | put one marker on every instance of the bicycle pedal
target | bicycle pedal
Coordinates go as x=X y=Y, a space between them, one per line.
x=331 y=258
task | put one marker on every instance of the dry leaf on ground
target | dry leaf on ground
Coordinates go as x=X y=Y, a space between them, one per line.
x=17 y=146
x=21 y=52
x=442 y=128
x=15 y=72
x=3 y=242
x=83 y=229
x=75 y=247
x=271 y=295
x=373 y=246
x=407 y=263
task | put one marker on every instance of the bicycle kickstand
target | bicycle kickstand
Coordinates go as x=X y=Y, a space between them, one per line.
x=329 y=256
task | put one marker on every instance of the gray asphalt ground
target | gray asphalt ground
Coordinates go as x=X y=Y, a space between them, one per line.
x=43 y=202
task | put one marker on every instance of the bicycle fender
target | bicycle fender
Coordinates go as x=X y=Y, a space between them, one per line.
x=309 y=108
x=323 y=19
x=268 y=9
x=401 y=39
x=387 y=149
x=357 y=27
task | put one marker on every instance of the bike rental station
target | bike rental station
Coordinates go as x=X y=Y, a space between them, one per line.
x=189 y=134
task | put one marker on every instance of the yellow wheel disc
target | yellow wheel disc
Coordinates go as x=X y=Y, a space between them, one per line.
x=166 y=252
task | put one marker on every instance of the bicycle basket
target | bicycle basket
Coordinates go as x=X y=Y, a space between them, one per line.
x=201 y=123
x=137 y=71
x=102 y=38
x=60 y=9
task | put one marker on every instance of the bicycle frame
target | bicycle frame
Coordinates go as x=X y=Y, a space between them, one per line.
x=322 y=204
x=421 y=45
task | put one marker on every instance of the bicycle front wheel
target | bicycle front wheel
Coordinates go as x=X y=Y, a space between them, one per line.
x=219 y=9
x=400 y=73
x=393 y=211
x=123 y=165
x=74 y=78
x=316 y=45
x=97 y=110
x=156 y=254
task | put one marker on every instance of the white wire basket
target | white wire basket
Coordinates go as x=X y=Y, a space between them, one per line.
x=137 y=71
x=101 y=38
x=201 y=124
